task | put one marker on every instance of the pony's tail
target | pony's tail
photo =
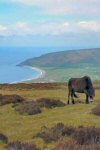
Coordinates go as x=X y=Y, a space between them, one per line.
x=75 y=95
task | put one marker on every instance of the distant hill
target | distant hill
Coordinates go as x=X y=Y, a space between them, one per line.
x=73 y=58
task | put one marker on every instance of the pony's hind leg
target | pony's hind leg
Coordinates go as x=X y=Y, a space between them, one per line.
x=68 y=98
x=72 y=96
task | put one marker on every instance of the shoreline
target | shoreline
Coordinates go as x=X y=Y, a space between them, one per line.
x=39 y=76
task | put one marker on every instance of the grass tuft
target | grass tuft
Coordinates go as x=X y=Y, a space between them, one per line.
x=87 y=135
x=3 y=138
x=72 y=145
x=50 y=103
x=51 y=134
x=35 y=107
x=29 y=108
x=96 y=110
x=17 y=145
x=7 y=99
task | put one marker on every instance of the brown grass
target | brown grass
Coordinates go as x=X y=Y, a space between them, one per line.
x=31 y=86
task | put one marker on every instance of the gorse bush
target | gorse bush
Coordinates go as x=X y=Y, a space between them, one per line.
x=7 y=99
x=55 y=133
x=17 y=145
x=29 y=108
x=82 y=138
x=68 y=131
x=49 y=103
x=35 y=107
x=87 y=135
x=3 y=138
x=51 y=134
x=67 y=145
x=72 y=145
x=96 y=110
x=81 y=135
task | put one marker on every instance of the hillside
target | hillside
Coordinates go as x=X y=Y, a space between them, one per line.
x=26 y=127
x=72 y=58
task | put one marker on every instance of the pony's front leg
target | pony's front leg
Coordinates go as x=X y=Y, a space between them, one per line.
x=87 y=99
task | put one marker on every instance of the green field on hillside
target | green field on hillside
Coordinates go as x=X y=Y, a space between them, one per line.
x=63 y=74
x=23 y=127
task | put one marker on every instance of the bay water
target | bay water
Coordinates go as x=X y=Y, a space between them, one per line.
x=10 y=72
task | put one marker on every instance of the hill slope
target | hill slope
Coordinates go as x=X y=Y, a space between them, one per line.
x=20 y=127
x=72 y=58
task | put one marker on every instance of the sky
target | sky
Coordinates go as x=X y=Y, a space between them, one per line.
x=50 y=23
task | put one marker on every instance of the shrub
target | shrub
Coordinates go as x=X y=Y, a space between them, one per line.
x=50 y=103
x=17 y=145
x=56 y=132
x=92 y=146
x=34 y=107
x=6 y=99
x=69 y=131
x=29 y=108
x=87 y=135
x=3 y=138
x=68 y=145
x=72 y=145
x=48 y=136
x=51 y=134
x=82 y=135
x=96 y=110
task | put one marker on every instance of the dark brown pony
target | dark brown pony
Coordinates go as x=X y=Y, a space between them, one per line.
x=80 y=85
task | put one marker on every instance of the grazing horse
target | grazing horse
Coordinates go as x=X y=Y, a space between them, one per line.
x=80 y=85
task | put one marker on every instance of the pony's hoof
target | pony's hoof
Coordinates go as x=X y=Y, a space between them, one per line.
x=68 y=103
x=73 y=102
x=87 y=103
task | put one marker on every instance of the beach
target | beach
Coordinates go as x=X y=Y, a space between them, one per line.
x=40 y=74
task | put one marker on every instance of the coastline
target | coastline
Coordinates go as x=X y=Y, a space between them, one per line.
x=41 y=74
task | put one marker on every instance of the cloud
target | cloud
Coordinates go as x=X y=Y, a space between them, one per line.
x=24 y=29
x=3 y=30
x=50 y=28
x=90 y=25
x=21 y=28
x=64 y=7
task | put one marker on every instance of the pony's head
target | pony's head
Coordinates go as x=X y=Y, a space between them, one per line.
x=91 y=92
x=90 y=88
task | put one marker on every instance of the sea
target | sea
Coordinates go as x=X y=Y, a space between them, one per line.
x=11 y=57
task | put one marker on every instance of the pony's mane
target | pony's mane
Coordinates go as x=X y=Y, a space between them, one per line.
x=88 y=80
